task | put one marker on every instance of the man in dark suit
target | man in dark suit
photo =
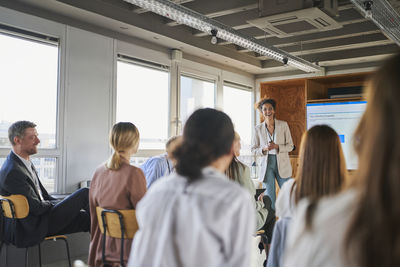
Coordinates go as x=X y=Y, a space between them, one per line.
x=18 y=176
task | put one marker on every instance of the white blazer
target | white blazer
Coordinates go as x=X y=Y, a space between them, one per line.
x=285 y=142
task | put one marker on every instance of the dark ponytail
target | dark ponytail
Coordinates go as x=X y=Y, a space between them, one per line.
x=208 y=135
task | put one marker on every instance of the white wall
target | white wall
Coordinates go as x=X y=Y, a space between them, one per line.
x=87 y=90
x=88 y=95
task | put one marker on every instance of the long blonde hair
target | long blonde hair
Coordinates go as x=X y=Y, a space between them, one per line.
x=123 y=136
x=322 y=168
x=373 y=236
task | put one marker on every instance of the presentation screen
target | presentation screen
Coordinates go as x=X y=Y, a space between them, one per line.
x=343 y=117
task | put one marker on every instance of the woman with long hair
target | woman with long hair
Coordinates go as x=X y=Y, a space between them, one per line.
x=115 y=185
x=322 y=168
x=272 y=142
x=360 y=227
x=196 y=216
x=240 y=173
x=321 y=172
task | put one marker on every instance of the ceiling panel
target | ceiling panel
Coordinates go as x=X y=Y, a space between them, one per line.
x=358 y=40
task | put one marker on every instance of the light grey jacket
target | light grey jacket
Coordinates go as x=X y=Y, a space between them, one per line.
x=285 y=142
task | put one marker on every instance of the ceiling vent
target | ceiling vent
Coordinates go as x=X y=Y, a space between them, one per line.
x=273 y=7
x=296 y=22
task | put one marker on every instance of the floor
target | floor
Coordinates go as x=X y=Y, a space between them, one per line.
x=63 y=263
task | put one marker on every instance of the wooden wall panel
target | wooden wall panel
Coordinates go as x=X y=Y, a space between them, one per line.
x=294 y=161
x=290 y=107
x=292 y=96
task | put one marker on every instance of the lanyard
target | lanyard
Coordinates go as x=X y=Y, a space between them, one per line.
x=271 y=137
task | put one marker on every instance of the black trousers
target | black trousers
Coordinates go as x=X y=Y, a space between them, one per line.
x=270 y=221
x=70 y=215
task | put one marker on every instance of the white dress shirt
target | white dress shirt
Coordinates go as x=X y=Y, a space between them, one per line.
x=35 y=179
x=323 y=245
x=208 y=223
x=271 y=138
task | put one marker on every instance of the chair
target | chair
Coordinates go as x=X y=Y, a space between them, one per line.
x=16 y=207
x=117 y=224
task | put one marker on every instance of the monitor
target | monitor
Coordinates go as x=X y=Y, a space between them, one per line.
x=343 y=117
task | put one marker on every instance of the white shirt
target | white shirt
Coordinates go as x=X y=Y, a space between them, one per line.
x=323 y=245
x=208 y=223
x=35 y=179
x=271 y=138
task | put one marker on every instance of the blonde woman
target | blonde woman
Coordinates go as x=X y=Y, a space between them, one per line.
x=115 y=185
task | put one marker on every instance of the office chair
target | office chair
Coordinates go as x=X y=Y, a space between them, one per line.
x=117 y=224
x=16 y=207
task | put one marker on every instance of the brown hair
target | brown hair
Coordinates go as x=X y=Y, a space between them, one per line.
x=208 y=135
x=264 y=101
x=322 y=169
x=123 y=136
x=373 y=237
x=233 y=170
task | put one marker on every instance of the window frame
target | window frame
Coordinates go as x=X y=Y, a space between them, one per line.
x=53 y=36
x=253 y=110
x=123 y=57
x=199 y=75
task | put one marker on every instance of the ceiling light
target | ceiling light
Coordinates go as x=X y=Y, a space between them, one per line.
x=202 y=23
x=214 y=39
x=368 y=9
x=383 y=15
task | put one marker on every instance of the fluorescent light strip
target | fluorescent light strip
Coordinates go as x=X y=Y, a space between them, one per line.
x=202 y=23
x=384 y=15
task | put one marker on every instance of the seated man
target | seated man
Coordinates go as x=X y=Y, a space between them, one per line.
x=18 y=176
x=161 y=165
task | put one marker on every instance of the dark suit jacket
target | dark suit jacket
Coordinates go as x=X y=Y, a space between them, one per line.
x=15 y=178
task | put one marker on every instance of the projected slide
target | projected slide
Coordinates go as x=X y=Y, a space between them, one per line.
x=344 y=118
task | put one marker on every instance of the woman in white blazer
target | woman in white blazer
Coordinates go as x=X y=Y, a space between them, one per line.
x=272 y=142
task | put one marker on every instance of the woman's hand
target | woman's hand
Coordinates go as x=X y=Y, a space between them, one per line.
x=260 y=197
x=272 y=145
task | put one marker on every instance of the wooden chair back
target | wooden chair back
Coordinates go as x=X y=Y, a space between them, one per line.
x=14 y=206
x=113 y=222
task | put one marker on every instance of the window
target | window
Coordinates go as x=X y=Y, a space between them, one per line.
x=28 y=88
x=45 y=168
x=142 y=98
x=238 y=105
x=138 y=161
x=195 y=93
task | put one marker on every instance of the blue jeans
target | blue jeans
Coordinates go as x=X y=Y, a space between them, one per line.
x=269 y=179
